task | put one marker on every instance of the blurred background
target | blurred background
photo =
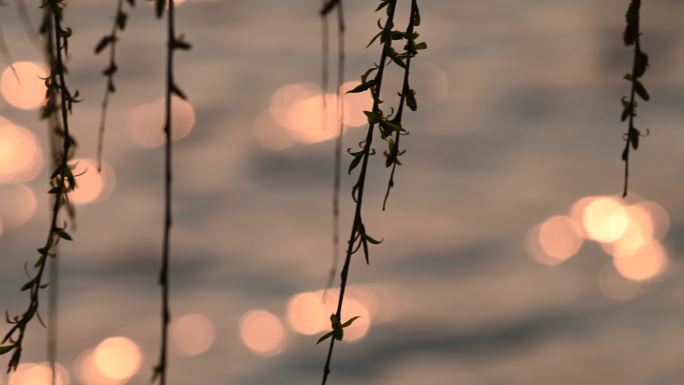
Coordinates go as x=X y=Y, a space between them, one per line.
x=507 y=256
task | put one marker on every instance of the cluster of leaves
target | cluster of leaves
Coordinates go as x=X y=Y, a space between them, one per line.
x=631 y=37
x=109 y=41
x=62 y=179
x=389 y=125
x=338 y=327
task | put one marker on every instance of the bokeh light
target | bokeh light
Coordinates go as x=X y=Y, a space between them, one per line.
x=89 y=374
x=20 y=154
x=262 y=332
x=312 y=117
x=38 y=374
x=18 y=205
x=605 y=219
x=146 y=122
x=117 y=358
x=308 y=314
x=659 y=218
x=192 y=334
x=615 y=286
x=560 y=237
x=91 y=185
x=24 y=89
x=644 y=264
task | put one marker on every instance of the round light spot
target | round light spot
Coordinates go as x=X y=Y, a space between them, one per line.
x=89 y=374
x=560 y=237
x=18 y=205
x=262 y=332
x=660 y=219
x=89 y=183
x=146 y=122
x=192 y=334
x=38 y=374
x=24 y=89
x=646 y=263
x=307 y=314
x=117 y=358
x=605 y=219
x=20 y=155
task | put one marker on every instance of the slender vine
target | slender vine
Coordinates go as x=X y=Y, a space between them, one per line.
x=173 y=43
x=328 y=6
x=62 y=179
x=631 y=37
x=387 y=125
x=110 y=40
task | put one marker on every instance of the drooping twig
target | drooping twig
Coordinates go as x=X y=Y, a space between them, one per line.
x=337 y=4
x=631 y=37
x=359 y=237
x=173 y=43
x=62 y=180
x=110 y=40
x=407 y=97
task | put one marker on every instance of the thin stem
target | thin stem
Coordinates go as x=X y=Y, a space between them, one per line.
x=109 y=73
x=405 y=89
x=360 y=186
x=341 y=28
x=59 y=180
x=164 y=273
x=53 y=325
x=631 y=129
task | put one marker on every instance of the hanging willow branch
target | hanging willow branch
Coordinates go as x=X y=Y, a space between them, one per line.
x=387 y=126
x=62 y=179
x=173 y=43
x=329 y=6
x=631 y=37
x=119 y=24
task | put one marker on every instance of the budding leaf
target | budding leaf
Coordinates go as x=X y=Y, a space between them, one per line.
x=641 y=90
x=104 y=42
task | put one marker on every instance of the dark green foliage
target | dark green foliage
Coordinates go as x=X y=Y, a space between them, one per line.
x=62 y=179
x=389 y=126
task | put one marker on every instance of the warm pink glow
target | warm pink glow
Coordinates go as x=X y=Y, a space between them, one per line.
x=38 y=374
x=117 y=358
x=305 y=119
x=262 y=332
x=192 y=334
x=283 y=99
x=646 y=263
x=560 y=237
x=660 y=219
x=18 y=205
x=146 y=122
x=28 y=91
x=355 y=104
x=89 y=374
x=307 y=314
x=89 y=183
x=301 y=109
x=605 y=219
x=20 y=155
